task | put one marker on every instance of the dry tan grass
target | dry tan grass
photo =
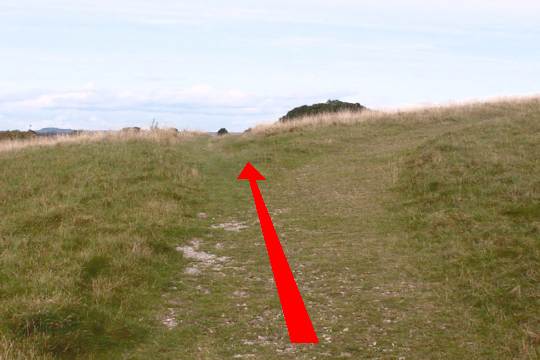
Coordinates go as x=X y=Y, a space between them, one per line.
x=413 y=113
x=10 y=350
x=343 y=117
x=416 y=113
x=158 y=135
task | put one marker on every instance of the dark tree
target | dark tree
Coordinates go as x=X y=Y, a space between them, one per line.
x=222 y=131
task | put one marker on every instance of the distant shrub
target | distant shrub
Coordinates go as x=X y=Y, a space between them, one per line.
x=222 y=131
x=331 y=106
x=16 y=134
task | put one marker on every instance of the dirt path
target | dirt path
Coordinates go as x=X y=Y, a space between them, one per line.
x=363 y=295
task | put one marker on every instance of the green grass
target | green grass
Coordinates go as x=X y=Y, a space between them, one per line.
x=414 y=235
x=473 y=205
x=86 y=241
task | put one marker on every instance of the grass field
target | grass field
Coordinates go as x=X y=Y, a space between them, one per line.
x=412 y=235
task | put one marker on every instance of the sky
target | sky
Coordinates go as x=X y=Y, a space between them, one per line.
x=103 y=64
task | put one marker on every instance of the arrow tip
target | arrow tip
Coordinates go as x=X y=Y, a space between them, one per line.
x=250 y=173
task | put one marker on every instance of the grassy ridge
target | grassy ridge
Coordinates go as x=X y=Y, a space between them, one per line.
x=411 y=235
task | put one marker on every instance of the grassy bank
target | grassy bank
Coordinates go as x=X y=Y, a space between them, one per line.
x=472 y=206
x=411 y=234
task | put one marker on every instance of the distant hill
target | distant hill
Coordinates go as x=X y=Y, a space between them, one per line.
x=331 y=106
x=54 y=131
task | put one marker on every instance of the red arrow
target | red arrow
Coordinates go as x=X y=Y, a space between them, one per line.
x=295 y=313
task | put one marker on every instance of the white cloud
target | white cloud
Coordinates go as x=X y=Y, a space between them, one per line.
x=52 y=100
x=89 y=96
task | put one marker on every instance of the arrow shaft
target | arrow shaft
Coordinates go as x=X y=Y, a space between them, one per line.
x=294 y=311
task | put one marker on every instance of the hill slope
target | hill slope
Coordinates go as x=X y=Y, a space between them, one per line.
x=411 y=235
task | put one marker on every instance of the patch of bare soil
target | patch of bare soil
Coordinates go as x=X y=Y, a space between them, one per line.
x=202 y=260
x=231 y=226
x=169 y=320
